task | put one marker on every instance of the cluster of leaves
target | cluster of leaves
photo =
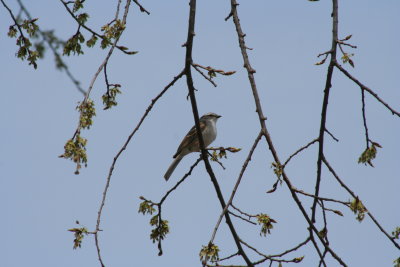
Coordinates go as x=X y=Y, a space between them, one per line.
x=75 y=148
x=79 y=234
x=78 y=4
x=358 y=208
x=209 y=253
x=109 y=97
x=87 y=112
x=369 y=154
x=25 y=50
x=112 y=31
x=161 y=227
x=220 y=152
x=266 y=223
x=74 y=44
x=146 y=207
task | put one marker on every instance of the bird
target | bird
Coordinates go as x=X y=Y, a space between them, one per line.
x=190 y=142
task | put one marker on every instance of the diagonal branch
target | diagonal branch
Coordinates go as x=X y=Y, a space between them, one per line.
x=298 y=151
x=179 y=182
x=355 y=197
x=256 y=141
x=99 y=213
x=363 y=87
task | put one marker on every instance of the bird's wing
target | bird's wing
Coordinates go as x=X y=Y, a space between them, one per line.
x=190 y=137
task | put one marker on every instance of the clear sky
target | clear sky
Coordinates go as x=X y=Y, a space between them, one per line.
x=41 y=198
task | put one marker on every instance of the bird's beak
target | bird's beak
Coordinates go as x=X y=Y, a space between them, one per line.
x=219 y=116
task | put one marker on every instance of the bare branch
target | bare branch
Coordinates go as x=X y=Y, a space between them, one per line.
x=142 y=9
x=153 y=101
x=321 y=198
x=248 y=159
x=356 y=197
x=364 y=117
x=180 y=181
x=331 y=135
x=370 y=91
x=240 y=217
x=299 y=150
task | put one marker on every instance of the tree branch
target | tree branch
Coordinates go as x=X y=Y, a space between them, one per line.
x=110 y=172
x=356 y=197
x=328 y=85
x=256 y=141
x=189 y=80
x=262 y=119
x=370 y=91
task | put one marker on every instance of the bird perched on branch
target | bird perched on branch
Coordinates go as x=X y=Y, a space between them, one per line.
x=190 y=142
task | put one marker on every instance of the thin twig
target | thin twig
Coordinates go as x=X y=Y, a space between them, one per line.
x=240 y=217
x=322 y=198
x=364 y=117
x=298 y=151
x=180 y=181
x=370 y=91
x=292 y=249
x=245 y=164
x=142 y=9
x=205 y=76
x=242 y=212
x=331 y=135
x=228 y=257
x=153 y=101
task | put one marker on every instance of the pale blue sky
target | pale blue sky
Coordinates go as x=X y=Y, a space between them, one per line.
x=41 y=197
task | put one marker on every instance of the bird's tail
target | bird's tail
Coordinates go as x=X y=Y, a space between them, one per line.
x=172 y=167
